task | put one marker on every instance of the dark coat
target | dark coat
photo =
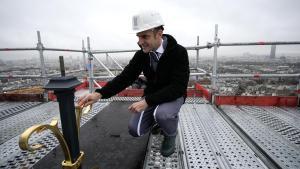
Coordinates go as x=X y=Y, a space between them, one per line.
x=168 y=83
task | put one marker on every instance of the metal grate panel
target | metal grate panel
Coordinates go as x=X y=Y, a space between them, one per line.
x=294 y=110
x=13 y=157
x=134 y=99
x=16 y=124
x=200 y=100
x=8 y=105
x=286 y=154
x=209 y=142
x=286 y=124
x=154 y=160
x=10 y=108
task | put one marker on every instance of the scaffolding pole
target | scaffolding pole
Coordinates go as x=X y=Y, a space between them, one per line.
x=197 y=53
x=214 y=74
x=83 y=56
x=197 y=47
x=97 y=84
x=40 y=48
x=260 y=43
x=112 y=51
x=103 y=65
x=43 y=48
x=63 y=50
x=17 y=49
x=90 y=66
x=197 y=56
x=208 y=46
x=115 y=61
x=103 y=77
x=201 y=70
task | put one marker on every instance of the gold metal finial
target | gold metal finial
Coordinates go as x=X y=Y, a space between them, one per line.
x=79 y=111
x=24 y=137
x=53 y=127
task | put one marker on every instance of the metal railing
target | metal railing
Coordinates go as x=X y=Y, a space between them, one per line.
x=91 y=56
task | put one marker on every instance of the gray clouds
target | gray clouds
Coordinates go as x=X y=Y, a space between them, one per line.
x=64 y=23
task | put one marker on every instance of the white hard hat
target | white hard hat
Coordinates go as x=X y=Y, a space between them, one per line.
x=146 y=20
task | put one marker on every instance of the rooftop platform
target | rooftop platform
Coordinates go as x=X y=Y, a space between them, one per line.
x=208 y=137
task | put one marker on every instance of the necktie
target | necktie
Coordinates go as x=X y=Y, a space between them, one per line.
x=153 y=60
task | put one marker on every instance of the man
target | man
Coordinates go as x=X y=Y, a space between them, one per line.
x=165 y=66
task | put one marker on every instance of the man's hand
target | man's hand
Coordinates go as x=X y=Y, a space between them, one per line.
x=138 y=106
x=89 y=99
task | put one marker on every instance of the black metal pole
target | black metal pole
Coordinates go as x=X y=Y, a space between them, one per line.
x=68 y=121
x=64 y=88
x=62 y=66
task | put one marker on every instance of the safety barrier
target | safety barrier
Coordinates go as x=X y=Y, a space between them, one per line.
x=91 y=56
x=287 y=101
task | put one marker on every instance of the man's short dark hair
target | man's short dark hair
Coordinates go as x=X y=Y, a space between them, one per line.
x=159 y=28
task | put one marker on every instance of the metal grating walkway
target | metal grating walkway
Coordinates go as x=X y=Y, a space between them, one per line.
x=209 y=142
x=14 y=125
x=134 y=99
x=205 y=140
x=8 y=109
x=285 y=123
x=272 y=129
x=154 y=160
x=10 y=153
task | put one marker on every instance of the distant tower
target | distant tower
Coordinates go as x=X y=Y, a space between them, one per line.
x=273 y=52
x=108 y=61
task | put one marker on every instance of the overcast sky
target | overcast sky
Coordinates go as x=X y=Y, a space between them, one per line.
x=64 y=23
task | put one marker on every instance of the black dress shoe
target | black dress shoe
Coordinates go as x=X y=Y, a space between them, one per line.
x=168 y=146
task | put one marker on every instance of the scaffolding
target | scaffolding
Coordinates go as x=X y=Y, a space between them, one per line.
x=92 y=59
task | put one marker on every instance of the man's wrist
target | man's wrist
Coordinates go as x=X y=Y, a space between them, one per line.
x=99 y=95
x=145 y=102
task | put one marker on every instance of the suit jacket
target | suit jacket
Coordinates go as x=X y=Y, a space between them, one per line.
x=168 y=83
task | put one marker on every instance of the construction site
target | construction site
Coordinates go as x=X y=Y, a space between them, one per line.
x=235 y=115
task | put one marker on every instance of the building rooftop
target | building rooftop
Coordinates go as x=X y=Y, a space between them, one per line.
x=226 y=136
